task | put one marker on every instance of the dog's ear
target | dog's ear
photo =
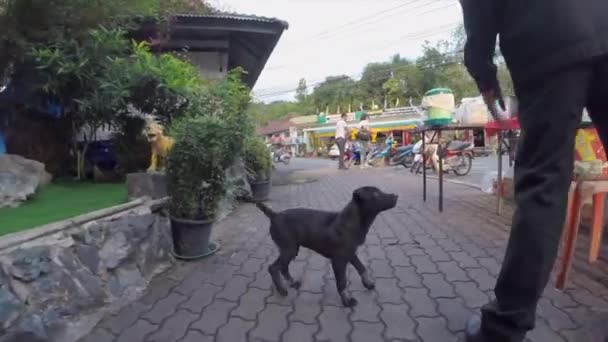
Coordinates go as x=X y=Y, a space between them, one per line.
x=358 y=195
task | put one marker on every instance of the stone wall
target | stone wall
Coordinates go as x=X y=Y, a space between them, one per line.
x=48 y=286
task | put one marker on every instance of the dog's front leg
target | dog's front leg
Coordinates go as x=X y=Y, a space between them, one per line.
x=339 y=267
x=366 y=279
x=153 y=162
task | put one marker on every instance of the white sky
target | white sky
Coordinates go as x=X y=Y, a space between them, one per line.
x=332 y=37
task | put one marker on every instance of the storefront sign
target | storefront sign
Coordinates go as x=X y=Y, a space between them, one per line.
x=336 y=117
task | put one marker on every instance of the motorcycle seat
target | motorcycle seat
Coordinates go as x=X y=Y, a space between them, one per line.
x=403 y=148
x=458 y=145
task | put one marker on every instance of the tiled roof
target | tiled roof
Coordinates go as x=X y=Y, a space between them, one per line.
x=274 y=127
x=303 y=120
x=236 y=16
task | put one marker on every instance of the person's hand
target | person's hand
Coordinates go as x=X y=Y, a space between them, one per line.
x=494 y=100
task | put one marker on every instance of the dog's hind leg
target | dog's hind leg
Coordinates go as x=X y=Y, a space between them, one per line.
x=274 y=269
x=281 y=266
x=286 y=258
x=339 y=267
x=367 y=281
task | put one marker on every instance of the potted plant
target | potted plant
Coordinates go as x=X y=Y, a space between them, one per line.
x=195 y=182
x=259 y=165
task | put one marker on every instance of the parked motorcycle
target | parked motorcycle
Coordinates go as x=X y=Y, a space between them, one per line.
x=457 y=157
x=281 y=156
x=417 y=162
x=403 y=156
x=379 y=153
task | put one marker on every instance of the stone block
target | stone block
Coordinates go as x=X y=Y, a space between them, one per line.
x=20 y=178
x=10 y=308
x=152 y=185
x=29 y=264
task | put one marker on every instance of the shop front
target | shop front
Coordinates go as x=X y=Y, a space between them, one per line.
x=321 y=138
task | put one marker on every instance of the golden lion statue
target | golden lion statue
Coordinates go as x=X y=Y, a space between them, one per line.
x=161 y=145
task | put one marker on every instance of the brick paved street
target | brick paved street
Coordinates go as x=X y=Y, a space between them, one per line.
x=432 y=271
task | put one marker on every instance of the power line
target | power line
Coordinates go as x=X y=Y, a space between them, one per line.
x=429 y=67
x=444 y=28
x=363 y=25
x=413 y=36
x=421 y=34
x=373 y=19
x=359 y=19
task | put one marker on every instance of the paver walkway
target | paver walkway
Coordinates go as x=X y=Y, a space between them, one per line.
x=432 y=271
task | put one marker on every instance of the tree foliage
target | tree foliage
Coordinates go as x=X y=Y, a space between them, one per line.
x=28 y=24
x=302 y=91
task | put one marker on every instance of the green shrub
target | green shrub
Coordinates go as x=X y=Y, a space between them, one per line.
x=257 y=159
x=228 y=100
x=196 y=167
x=131 y=145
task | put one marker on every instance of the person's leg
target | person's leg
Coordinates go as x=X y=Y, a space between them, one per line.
x=363 y=153
x=550 y=111
x=341 y=144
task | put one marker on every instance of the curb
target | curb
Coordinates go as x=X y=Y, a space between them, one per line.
x=15 y=239
x=470 y=185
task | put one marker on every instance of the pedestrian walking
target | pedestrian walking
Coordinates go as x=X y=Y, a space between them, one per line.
x=364 y=136
x=341 y=135
x=557 y=53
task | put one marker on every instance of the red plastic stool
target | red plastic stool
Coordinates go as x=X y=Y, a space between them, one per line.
x=580 y=192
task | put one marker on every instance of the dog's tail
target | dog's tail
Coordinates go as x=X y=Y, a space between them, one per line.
x=266 y=210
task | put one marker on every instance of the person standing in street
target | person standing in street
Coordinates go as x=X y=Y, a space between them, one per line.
x=557 y=53
x=341 y=135
x=363 y=136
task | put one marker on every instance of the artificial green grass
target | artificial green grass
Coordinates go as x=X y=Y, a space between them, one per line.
x=61 y=200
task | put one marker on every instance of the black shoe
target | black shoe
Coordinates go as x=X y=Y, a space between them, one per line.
x=473 y=331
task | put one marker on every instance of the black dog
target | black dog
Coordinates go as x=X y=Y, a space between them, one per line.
x=335 y=235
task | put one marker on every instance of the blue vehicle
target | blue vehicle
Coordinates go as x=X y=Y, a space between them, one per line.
x=102 y=155
x=404 y=155
x=395 y=156
x=381 y=152
x=354 y=155
x=2 y=145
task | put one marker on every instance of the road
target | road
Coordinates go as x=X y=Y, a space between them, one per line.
x=285 y=174
x=482 y=166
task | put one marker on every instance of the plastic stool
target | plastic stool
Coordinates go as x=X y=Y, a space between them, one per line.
x=580 y=192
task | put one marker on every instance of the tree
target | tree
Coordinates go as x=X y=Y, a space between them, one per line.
x=97 y=81
x=302 y=91
x=28 y=24
x=88 y=80
x=373 y=78
x=336 y=92
x=392 y=89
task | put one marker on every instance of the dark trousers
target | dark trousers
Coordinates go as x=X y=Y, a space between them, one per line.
x=341 y=147
x=550 y=111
